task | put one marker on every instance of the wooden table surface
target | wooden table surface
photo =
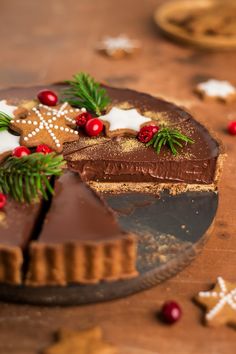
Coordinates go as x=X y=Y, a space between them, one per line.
x=49 y=40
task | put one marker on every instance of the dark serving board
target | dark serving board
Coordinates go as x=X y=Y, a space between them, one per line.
x=171 y=231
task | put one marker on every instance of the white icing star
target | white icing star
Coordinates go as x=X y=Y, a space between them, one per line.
x=64 y=110
x=224 y=297
x=6 y=108
x=122 y=42
x=8 y=141
x=123 y=120
x=216 y=88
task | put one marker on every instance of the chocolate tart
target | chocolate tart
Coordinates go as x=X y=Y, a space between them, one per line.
x=70 y=248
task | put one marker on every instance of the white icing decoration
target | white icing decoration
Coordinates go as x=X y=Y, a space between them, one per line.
x=216 y=88
x=129 y=119
x=224 y=297
x=6 y=108
x=122 y=42
x=8 y=141
x=62 y=112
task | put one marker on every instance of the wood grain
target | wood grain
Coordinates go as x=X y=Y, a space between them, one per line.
x=45 y=41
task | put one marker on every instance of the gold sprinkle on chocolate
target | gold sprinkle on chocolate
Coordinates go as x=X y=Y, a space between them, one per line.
x=130 y=144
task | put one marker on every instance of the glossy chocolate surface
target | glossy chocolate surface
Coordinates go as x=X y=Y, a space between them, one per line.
x=77 y=214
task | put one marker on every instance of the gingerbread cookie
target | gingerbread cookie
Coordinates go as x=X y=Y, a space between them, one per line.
x=119 y=47
x=82 y=342
x=123 y=121
x=47 y=125
x=216 y=89
x=220 y=303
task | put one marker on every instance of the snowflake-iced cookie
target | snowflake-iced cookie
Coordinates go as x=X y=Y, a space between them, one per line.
x=119 y=47
x=216 y=89
x=220 y=303
x=47 y=125
x=123 y=121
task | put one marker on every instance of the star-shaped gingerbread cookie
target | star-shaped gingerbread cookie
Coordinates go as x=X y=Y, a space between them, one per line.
x=82 y=342
x=123 y=121
x=47 y=125
x=220 y=303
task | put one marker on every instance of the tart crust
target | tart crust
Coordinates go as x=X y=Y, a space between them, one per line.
x=85 y=263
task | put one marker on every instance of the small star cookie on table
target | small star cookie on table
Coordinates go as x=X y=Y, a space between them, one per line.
x=216 y=89
x=119 y=47
x=220 y=303
x=88 y=341
x=47 y=125
x=123 y=121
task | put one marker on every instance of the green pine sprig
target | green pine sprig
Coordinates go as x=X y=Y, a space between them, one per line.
x=5 y=120
x=85 y=92
x=172 y=138
x=27 y=178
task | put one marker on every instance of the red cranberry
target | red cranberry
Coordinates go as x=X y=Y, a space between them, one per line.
x=82 y=119
x=171 y=312
x=47 y=97
x=21 y=151
x=44 y=149
x=3 y=200
x=147 y=132
x=232 y=128
x=94 y=126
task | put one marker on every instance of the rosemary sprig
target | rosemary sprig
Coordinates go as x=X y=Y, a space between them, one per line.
x=28 y=177
x=5 y=120
x=85 y=92
x=170 y=137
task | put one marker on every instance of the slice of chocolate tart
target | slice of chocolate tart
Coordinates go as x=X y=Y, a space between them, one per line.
x=17 y=222
x=80 y=241
x=123 y=162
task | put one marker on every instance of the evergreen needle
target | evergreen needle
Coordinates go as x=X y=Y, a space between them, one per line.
x=5 y=120
x=28 y=177
x=85 y=92
x=170 y=137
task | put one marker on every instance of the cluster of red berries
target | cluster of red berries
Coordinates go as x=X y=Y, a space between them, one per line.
x=21 y=151
x=147 y=132
x=92 y=126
